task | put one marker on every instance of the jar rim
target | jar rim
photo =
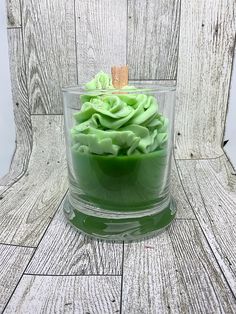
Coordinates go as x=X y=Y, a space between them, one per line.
x=140 y=86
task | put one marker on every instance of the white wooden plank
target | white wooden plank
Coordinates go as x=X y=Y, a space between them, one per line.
x=27 y=207
x=13 y=13
x=21 y=109
x=207 y=32
x=49 y=45
x=153 y=32
x=65 y=251
x=91 y=294
x=184 y=209
x=174 y=272
x=13 y=261
x=211 y=189
x=101 y=28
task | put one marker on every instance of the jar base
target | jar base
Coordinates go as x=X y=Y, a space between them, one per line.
x=120 y=229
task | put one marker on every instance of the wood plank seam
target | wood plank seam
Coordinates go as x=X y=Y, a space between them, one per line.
x=203 y=230
x=24 y=56
x=13 y=27
x=76 y=57
x=24 y=246
x=177 y=65
x=127 y=33
x=206 y=158
x=72 y=275
x=47 y=114
x=184 y=219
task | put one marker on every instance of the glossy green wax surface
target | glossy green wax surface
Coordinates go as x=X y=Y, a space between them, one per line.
x=121 y=182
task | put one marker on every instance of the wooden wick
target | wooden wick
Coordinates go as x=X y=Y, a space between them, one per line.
x=119 y=76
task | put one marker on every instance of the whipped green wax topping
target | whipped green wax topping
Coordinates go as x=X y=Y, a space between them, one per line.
x=100 y=81
x=117 y=124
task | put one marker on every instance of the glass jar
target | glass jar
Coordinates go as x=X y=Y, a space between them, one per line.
x=119 y=151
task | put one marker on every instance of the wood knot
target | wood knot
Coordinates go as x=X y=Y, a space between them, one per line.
x=10 y=18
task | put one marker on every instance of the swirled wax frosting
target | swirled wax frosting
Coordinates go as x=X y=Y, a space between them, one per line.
x=112 y=123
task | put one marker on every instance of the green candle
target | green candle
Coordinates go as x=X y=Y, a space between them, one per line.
x=120 y=161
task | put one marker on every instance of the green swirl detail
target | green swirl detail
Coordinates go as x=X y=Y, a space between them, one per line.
x=117 y=124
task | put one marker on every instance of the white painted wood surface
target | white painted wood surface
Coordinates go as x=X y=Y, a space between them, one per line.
x=184 y=210
x=28 y=206
x=174 y=273
x=153 y=34
x=101 y=28
x=13 y=261
x=210 y=186
x=191 y=267
x=64 y=251
x=66 y=294
x=207 y=34
x=49 y=45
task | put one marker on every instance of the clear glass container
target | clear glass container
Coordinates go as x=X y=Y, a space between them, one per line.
x=119 y=151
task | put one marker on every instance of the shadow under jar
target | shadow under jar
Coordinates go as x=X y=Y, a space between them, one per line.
x=119 y=151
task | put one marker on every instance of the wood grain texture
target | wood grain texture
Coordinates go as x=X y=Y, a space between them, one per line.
x=101 y=28
x=13 y=13
x=211 y=189
x=23 y=126
x=39 y=294
x=13 y=261
x=27 y=207
x=65 y=251
x=207 y=33
x=174 y=273
x=3 y=188
x=49 y=44
x=184 y=210
x=153 y=32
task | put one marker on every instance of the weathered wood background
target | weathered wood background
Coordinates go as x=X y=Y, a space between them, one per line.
x=48 y=267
